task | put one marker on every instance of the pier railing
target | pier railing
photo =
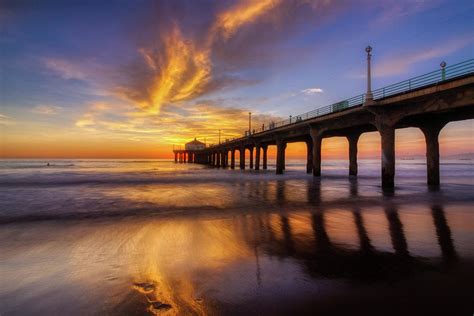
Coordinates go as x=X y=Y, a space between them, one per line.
x=428 y=79
x=434 y=77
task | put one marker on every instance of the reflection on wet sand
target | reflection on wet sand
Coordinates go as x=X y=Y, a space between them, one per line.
x=247 y=262
x=327 y=259
x=272 y=235
x=443 y=233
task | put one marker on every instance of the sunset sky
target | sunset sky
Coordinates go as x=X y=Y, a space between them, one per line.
x=128 y=79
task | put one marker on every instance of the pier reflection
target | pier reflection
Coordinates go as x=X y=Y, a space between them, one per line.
x=364 y=240
x=313 y=247
x=330 y=260
x=303 y=242
x=443 y=233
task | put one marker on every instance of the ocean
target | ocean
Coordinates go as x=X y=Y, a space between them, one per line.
x=135 y=237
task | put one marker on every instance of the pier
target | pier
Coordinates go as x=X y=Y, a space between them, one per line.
x=427 y=102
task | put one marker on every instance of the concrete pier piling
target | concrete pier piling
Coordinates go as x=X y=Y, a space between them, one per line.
x=353 y=139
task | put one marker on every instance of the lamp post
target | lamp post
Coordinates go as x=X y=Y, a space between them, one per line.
x=443 y=70
x=368 y=96
x=250 y=123
x=219 y=136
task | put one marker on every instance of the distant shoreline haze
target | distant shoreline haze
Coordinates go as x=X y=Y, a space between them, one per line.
x=461 y=156
x=456 y=140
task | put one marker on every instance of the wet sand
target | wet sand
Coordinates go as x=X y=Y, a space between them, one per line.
x=134 y=242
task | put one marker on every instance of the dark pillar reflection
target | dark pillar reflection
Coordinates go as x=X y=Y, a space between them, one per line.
x=321 y=237
x=364 y=240
x=353 y=187
x=443 y=232
x=268 y=227
x=314 y=191
x=287 y=235
x=397 y=234
x=261 y=227
x=263 y=186
x=258 y=274
x=280 y=192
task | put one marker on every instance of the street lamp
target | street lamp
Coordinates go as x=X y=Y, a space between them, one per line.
x=250 y=122
x=368 y=96
x=443 y=70
x=219 y=136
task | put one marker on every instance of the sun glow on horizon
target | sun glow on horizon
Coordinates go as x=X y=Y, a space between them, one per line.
x=163 y=74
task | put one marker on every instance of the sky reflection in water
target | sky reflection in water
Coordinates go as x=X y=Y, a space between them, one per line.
x=253 y=244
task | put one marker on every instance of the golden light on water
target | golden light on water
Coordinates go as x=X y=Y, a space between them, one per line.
x=184 y=261
x=171 y=274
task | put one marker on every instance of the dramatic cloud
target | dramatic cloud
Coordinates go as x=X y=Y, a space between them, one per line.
x=180 y=71
x=175 y=123
x=185 y=65
x=312 y=91
x=229 y=21
x=126 y=73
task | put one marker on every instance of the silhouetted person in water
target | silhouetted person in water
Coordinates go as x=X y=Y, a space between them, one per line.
x=47 y=164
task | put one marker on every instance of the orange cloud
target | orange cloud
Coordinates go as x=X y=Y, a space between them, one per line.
x=182 y=69
x=229 y=21
x=174 y=125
